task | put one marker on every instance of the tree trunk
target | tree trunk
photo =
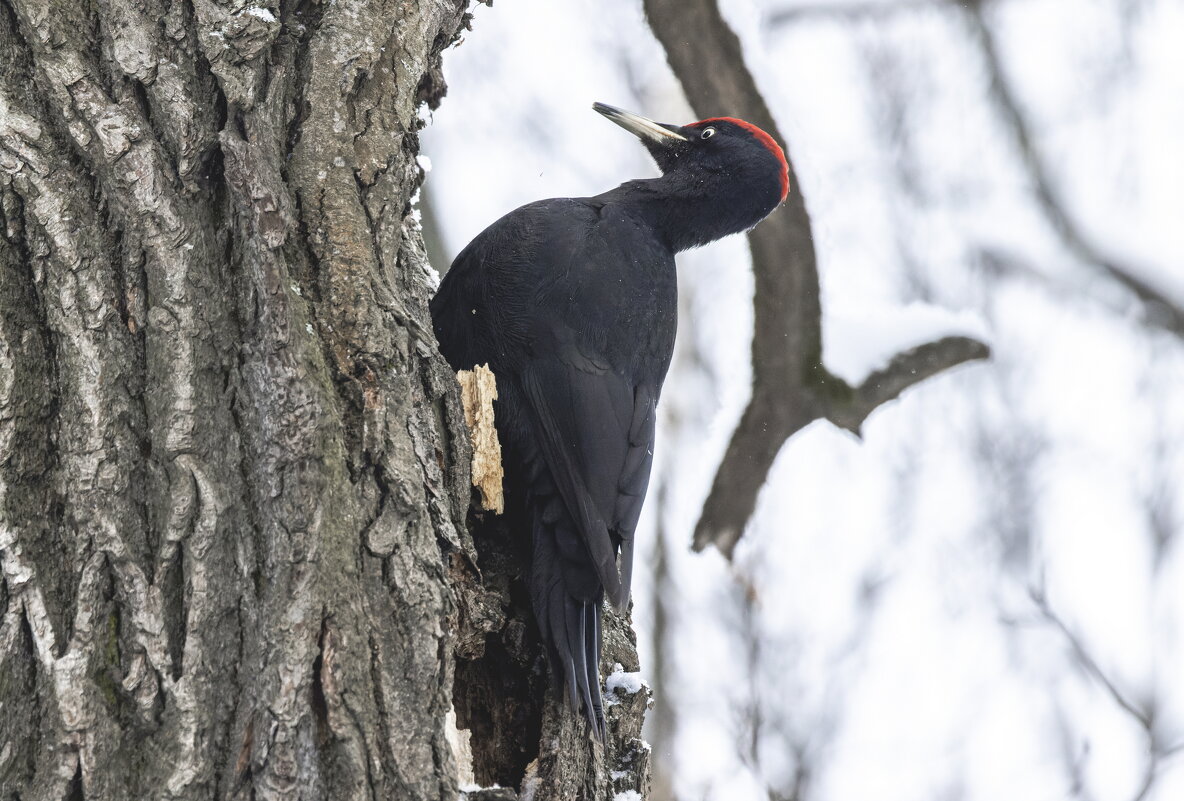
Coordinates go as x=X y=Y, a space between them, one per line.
x=233 y=470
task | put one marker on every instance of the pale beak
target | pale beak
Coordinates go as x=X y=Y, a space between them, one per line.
x=640 y=126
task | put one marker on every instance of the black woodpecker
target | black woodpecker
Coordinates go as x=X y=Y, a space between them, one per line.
x=573 y=304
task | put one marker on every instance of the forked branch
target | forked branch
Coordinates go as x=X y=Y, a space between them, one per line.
x=791 y=386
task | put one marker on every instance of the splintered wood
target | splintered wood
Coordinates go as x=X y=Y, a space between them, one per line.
x=478 y=391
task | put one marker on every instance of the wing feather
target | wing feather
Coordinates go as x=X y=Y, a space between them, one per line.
x=596 y=433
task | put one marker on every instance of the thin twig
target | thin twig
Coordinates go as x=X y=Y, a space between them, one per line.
x=1159 y=310
x=845 y=11
x=1087 y=661
x=1157 y=754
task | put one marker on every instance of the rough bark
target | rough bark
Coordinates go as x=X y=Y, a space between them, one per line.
x=522 y=733
x=234 y=471
x=227 y=491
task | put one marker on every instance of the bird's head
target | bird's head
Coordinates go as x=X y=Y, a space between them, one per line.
x=731 y=149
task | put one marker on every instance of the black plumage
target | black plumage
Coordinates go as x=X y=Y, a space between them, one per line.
x=573 y=304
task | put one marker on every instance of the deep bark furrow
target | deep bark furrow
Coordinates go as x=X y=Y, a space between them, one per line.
x=70 y=249
x=234 y=472
x=188 y=337
x=154 y=45
x=24 y=463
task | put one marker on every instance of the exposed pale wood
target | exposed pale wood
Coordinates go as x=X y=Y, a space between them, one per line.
x=478 y=391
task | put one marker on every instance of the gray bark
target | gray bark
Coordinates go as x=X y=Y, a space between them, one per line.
x=233 y=469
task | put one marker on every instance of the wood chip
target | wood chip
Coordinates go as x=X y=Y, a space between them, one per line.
x=478 y=391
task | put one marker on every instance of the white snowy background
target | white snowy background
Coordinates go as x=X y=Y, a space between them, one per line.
x=984 y=598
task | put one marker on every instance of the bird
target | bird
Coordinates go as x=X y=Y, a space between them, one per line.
x=572 y=303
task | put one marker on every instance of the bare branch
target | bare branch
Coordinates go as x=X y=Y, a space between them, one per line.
x=791 y=387
x=1159 y=310
x=845 y=11
x=905 y=370
x=1145 y=715
x=1087 y=661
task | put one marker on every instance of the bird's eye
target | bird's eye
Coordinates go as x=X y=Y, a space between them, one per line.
x=707 y=133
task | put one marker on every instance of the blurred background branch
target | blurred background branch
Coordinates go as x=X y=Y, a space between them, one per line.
x=1145 y=713
x=873 y=635
x=788 y=15
x=790 y=387
x=1158 y=308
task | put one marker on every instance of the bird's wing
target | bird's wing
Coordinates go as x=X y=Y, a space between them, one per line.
x=596 y=431
x=512 y=298
x=486 y=297
x=635 y=478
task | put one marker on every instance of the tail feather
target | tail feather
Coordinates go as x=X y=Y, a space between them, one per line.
x=556 y=635
x=566 y=592
x=592 y=649
x=577 y=653
x=572 y=630
x=579 y=650
x=568 y=611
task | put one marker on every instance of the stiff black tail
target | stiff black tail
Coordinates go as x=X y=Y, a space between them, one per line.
x=574 y=637
x=567 y=598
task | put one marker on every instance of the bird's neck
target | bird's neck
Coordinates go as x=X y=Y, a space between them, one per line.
x=687 y=210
